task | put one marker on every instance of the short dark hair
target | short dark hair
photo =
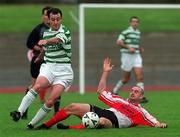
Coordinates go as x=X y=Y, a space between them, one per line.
x=133 y=17
x=54 y=11
x=46 y=8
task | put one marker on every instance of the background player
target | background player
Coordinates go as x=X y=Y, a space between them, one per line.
x=131 y=59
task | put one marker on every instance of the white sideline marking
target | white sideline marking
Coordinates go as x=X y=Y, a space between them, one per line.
x=75 y=18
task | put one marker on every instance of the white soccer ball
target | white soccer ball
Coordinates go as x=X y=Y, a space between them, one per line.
x=90 y=120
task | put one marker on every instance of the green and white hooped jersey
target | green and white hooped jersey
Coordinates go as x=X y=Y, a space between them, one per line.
x=60 y=52
x=130 y=37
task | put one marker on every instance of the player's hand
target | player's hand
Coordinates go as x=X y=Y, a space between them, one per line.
x=161 y=125
x=42 y=42
x=141 y=49
x=131 y=50
x=38 y=48
x=107 y=66
x=38 y=60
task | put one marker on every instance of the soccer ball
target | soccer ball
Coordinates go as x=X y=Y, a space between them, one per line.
x=90 y=120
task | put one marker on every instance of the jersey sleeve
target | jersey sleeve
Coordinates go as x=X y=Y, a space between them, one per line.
x=110 y=99
x=121 y=36
x=64 y=36
x=33 y=37
x=149 y=118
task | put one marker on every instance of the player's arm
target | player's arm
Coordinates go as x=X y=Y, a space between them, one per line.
x=141 y=50
x=60 y=37
x=33 y=37
x=37 y=47
x=40 y=56
x=107 y=67
x=122 y=44
x=49 y=41
x=152 y=120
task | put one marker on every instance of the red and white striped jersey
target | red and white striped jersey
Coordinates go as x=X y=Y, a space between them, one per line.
x=134 y=112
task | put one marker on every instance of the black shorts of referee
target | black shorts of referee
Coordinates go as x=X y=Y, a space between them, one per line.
x=35 y=67
x=106 y=114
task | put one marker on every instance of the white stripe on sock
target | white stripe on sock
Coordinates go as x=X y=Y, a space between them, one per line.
x=43 y=111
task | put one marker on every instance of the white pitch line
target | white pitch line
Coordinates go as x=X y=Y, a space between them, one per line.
x=74 y=17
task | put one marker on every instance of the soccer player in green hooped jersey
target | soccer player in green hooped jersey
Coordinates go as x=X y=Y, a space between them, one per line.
x=131 y=59
x=56 y=72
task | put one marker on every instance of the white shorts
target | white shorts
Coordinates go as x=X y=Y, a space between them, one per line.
x=129 y=61
x=123 y=120
x=57 y=74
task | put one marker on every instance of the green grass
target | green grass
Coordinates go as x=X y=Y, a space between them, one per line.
x=97 y=20
x=163 y=105
x=22 y=18
x=117 y=19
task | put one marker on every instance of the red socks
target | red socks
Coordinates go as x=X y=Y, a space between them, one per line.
x=80 y=126
x=42 y=95
x=59 y=116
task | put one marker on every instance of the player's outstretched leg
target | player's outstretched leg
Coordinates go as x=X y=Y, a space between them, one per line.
x=42 y=127
x=59 y=116
x=25 y=114
x=25 y=103
x=62 y=126
x=43 y=111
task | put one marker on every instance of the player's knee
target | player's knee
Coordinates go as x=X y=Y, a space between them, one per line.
x=49 y=103
x=104 y=123
x=37 y=87
x=101 y=122
x=72 y=108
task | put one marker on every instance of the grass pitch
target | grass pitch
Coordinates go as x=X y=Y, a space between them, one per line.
x=163 y=105
x=96 y=20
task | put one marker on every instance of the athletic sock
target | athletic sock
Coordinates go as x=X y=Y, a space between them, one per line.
x=140 y=84
x=57 y=104
x=119 y=84
x=59 y=116
x=26 y=112
x=80 y=126
x=43 y=111
x=27 y=100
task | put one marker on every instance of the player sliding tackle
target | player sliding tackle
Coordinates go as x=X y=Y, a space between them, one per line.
x=122 y=113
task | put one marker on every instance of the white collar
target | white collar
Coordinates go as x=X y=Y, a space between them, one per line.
x=60 y=29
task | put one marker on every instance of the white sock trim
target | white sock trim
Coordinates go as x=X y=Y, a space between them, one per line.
x=140 y=84
x=27 y=100
x=41 y=114
x=119 y=84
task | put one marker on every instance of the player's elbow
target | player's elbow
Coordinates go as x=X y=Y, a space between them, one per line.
x=119 y=42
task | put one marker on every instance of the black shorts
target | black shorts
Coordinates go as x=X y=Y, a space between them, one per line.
x=105 y=113
x=34 y=68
